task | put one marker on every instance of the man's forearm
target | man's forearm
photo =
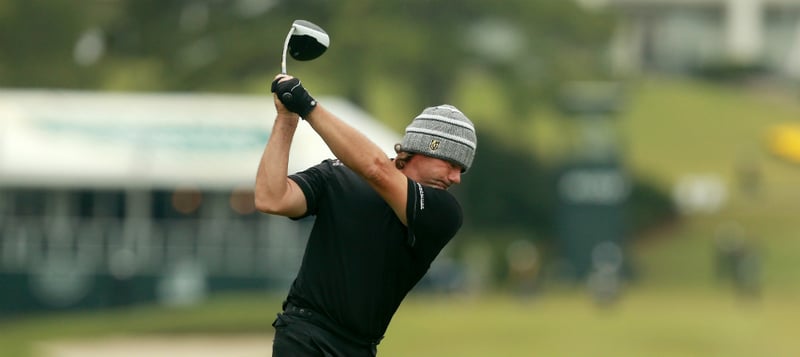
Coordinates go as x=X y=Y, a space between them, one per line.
x=271 y=179
x=348 y=144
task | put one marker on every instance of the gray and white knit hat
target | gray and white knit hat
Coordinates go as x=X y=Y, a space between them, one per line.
x=442 y=132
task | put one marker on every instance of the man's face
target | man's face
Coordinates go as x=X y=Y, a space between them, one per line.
x=434 y=172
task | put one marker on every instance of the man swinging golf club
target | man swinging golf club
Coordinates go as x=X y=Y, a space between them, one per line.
x=380 y=222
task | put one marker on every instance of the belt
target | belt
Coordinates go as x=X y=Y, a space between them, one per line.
x=325 y=323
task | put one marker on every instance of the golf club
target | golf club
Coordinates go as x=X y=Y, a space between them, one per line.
x=304 y=42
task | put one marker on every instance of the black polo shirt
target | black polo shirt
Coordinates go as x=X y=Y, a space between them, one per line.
x=360 y=260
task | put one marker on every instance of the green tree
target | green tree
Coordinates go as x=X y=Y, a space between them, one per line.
x=36 y=43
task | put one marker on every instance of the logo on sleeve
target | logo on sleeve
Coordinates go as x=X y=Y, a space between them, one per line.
x=421 y=197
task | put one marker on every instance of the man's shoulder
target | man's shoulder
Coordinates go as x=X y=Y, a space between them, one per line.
x=433 y=195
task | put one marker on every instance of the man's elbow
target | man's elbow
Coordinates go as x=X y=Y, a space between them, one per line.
x=379 y=172
x=286 y=205
x=266 y=204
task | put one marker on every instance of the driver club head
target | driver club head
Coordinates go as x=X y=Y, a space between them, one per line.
x=305 y=41
x=308 y=41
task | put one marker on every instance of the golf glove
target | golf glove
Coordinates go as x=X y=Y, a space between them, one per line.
x=292 y=94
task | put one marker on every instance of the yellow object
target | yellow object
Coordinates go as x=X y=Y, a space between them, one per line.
x=784 y=141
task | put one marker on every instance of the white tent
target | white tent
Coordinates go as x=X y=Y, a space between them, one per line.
x=58 y=138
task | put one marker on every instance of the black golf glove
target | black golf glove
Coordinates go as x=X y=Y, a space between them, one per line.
x=292 y=94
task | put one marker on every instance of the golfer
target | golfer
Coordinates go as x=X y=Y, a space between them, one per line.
x=380 y=221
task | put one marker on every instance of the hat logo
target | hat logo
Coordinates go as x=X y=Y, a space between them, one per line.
x=434 y=145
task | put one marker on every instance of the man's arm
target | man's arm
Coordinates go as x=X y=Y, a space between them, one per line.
x=275 y=193
x=363 y=156
x=355 y=150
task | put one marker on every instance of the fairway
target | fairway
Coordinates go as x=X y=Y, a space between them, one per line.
x=160 y=346
x=645 y=322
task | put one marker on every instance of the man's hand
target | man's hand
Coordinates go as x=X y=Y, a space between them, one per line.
x=292 y=95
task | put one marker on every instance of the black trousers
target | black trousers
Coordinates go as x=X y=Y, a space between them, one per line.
x=297 y=335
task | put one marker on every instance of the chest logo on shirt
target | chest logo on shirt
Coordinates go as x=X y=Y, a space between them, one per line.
x=434 y=145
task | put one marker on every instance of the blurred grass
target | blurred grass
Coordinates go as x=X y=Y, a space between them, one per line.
x=223 y=314
x=675 y=307
x=646 y=322
x=674 y=126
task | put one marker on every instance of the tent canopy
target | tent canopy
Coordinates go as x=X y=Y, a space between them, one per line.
x=56 y=138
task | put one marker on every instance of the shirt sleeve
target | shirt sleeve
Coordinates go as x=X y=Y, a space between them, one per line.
x=434 y=217
x=312 y=183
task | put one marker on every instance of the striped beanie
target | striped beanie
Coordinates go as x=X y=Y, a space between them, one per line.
x=442 y=132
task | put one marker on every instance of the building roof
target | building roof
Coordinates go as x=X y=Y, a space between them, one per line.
x=64 y=138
